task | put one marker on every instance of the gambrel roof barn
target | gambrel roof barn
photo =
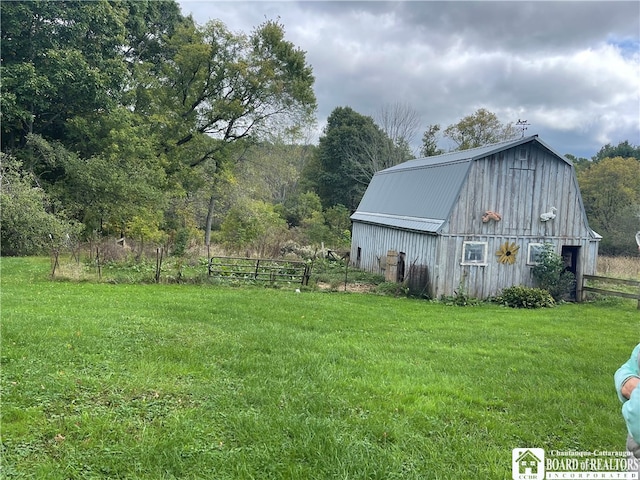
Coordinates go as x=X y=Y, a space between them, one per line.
x=473 y=219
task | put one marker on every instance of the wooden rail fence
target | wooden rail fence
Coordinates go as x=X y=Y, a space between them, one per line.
x=260 y=269
x=616 y=281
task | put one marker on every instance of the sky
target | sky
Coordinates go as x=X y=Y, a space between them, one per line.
x=570 y=69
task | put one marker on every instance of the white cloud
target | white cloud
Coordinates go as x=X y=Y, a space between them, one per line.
x=572 y=69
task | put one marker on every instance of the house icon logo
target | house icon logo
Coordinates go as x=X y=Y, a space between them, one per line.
x=527 y=463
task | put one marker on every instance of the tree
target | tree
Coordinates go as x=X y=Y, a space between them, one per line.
x=125 y=111
x=623 y=149
x=338 y=220
x=374 y=151
x=301 y=207
x=611 y=193
x=580 y=163
x=219 y=88
x=270 y=170
x=347 y=136
x=69 y=69
x=352 y=149
x=384 y=144
x=430 y=141
x=149 y=24
x=229 y=86
x=479 y=129
x=59 y=60
x=399 y=121
x=105 y=191
x=253 y=224
x=28 y=225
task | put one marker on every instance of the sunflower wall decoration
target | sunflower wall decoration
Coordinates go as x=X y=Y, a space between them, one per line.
x=507 y=253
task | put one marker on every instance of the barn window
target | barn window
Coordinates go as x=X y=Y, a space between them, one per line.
x=523 y=153
x=474 y=253
x=533 y=253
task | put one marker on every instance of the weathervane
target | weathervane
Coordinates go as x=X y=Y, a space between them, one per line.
x=523 y=125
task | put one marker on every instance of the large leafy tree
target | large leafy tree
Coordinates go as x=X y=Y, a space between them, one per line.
x=623 y=149
x=227 y=86
x=150 y=104
x=611 y=194
x=352 y=149
x=430 y=141
x=67 y=59
x=69 y=74
x=59 y=60
x=479 y=129
x=343 y=136
x=219 y=88
x=107 y=190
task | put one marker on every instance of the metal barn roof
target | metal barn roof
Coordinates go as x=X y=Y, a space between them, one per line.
x=419 y=194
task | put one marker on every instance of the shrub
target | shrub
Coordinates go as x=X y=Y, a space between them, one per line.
x=520 y=296
x=550 y=274
x=28 y=225
x=460 y=298
x=392 y=289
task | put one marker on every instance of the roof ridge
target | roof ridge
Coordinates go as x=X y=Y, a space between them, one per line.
x=488 y=145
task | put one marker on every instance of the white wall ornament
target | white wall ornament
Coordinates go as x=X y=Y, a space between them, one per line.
x=550 y=215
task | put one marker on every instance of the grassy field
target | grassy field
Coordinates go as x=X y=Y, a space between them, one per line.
x=192 y=381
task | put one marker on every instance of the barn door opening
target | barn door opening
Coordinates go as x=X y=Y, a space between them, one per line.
x=401 y=261
x=570 y=256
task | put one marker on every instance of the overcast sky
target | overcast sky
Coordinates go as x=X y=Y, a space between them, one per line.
x=571 y=69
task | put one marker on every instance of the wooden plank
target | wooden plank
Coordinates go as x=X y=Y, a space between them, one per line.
x=601 y=291
x=633 y=283
x=617 y=281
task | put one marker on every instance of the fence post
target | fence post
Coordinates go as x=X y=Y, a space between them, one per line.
x=55 y=253
x=346 y=274
x=579 y=289
x=255 y=275
x=98 y=263
x=159 y=254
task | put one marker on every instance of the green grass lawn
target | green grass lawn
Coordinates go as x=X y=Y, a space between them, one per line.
x=184 y=381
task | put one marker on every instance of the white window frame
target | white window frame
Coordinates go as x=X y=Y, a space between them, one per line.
x=531 y=250
x=481 y=261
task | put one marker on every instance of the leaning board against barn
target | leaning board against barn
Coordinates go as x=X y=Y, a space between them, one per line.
x=473 y=219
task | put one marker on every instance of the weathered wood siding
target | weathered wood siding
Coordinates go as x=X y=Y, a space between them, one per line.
x=520 y=184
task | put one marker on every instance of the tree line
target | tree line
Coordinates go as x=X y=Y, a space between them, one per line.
x=127 y=119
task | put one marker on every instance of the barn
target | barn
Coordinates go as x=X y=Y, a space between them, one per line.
x=473 y=220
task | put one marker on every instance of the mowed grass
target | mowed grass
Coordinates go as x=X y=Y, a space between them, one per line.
x=182 y=381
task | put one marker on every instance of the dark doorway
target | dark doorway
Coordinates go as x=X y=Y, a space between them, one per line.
x=401 y=260
x=570 y=255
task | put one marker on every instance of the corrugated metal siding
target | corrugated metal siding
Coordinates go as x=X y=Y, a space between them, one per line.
x=375 y=241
